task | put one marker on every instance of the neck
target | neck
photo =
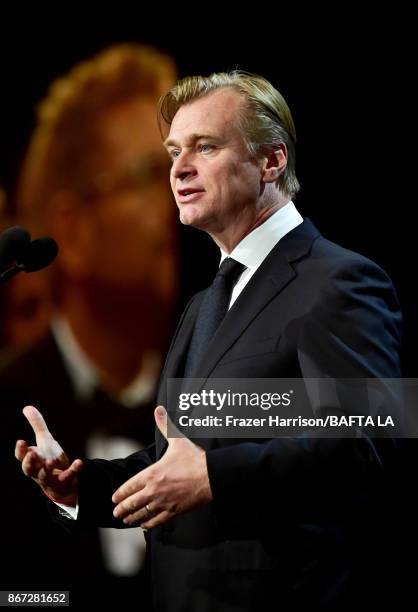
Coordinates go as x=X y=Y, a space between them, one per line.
x=114 y=339
x=233 y=233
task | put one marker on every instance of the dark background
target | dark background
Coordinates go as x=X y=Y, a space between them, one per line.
x=348 y=79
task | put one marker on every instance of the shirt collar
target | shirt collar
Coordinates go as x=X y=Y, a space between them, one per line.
x=254 y=248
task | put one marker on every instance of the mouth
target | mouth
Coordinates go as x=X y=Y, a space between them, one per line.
x=189 y=195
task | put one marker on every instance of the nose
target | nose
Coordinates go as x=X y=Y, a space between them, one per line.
x=182 y=167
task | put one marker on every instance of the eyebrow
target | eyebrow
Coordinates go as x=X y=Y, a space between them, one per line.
x=192 y=139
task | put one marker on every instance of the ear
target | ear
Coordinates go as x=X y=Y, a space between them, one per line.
x=70 y=226
x=274 y=164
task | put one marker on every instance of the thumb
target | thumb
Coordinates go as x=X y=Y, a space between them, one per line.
x=160 y=415
x=165 y=424
x=38 y=424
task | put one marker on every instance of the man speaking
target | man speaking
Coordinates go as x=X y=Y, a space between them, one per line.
x=242 y=524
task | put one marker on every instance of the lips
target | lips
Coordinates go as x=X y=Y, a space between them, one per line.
x=189 y=195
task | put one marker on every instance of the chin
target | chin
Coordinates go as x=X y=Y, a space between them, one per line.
x=190 y=217
x=185 y=219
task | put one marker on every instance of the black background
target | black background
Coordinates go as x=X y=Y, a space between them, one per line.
x=348 y=78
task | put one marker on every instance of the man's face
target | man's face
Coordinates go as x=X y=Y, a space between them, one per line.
x=129 y=213
x=214 y=178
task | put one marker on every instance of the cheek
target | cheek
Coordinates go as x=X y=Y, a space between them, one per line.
x=230 y=184
x=234 y=173
x=172 y=182
x=247 y=181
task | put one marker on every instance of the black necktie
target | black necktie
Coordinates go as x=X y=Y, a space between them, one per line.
x=212 y=310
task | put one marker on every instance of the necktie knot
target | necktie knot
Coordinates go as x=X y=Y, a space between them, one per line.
x=230 y=269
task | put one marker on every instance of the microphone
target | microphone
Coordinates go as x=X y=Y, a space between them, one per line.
x=30 y=256
x=38 y=254
x=13 y=241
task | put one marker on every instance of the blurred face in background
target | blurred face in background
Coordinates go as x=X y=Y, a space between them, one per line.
x=124 y=223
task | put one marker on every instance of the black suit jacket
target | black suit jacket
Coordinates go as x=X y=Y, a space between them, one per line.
x=293 y=521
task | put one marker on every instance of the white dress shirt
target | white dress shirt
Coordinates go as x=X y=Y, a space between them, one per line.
x=254 y=248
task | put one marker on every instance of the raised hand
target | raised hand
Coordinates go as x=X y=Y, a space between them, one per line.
x=177 y=483
x=46 y=463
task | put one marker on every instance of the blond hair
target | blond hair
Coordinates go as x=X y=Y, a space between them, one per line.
x=265 y=120
x=66 y=128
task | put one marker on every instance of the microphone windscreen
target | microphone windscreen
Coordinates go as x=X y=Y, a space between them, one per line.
x=38 y=254
x=13 y=242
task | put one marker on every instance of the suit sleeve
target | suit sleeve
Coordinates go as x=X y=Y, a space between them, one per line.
x=352 y=331
x=98 y=480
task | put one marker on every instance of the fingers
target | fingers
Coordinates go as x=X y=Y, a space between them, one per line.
x=47 y=446
x=21 y=449
x=131 y=504
x=147 y=515
x=148 y=518
x=37 y=422
x=131 y=486
x=156 y=520
x=71 y=471
x=32 y=464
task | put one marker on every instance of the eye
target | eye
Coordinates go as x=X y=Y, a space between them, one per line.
x=174 y=153
x=204 y=147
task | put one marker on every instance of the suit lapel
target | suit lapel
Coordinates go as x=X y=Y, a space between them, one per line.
x=274 y=274
x=272 y=277
x=181 y=339
x=260 y=290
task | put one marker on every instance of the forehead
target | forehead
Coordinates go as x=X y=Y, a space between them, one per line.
x=215 y=114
